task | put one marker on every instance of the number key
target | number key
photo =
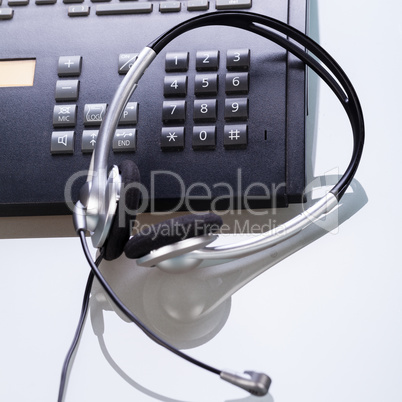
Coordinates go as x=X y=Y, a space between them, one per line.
x=174 y=111
x=236 y=83
x=238 y=59
x=176 y=61
x=204 y=137
x=205 y=110
x=207 y=60
x=236 y=109
x=175 y=85
x=206 y=84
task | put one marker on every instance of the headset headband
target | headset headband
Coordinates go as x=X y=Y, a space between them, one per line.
x=96 y=208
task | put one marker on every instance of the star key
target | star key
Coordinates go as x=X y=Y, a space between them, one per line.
x=172 y=138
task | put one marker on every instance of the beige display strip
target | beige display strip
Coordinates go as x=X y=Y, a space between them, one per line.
x=17 y=73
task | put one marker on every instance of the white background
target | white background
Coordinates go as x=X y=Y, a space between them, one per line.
x=325 y=323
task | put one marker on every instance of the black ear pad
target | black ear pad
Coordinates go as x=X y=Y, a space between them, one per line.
x=120 y=231
x=171 y=231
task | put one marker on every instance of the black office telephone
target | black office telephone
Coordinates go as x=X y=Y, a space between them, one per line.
x=217 y=120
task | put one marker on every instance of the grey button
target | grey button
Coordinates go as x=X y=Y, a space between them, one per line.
x=176 y=61
x=64 y=115
x=198 y=5
x=62 y=142
x=94 y=113
x=72 y=1
x=18 y=2
x=130 y=114
x=78 y=11
x=235 y=136
x=238 y=59
x=174 y=111
x=67 y=90
x=204 y=137
x=170 y=6
x=175 y=85
x=6 y=13
x=172 y=138
x=126 y=60
x=236 y=109
x=125 y=140
x=69 y=66
x=40 y=2
x=236 y=83
x=207 y=60
x=130 y=8
x=89 y=138
x=205 y=110
x=206 y=84
x=232 y=4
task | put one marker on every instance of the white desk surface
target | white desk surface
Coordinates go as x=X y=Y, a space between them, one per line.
x=325 y=323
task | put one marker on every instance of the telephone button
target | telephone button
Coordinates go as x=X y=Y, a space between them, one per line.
x=78 y=11
x=206 y=84
x=126 y=61
x=89 y=138
x=62 y=142
x=130 y=114
x=236 y=109
x=170 y=6
x=172 y=138
x=205 y=110
x=175 y=85
x=236 y=83
x=176 y=61
x=235 y=136
x=64 y=115
x=207 y=60
x=69 y=66
x=94 y=114
x=204 y=137
x=6 y=13
x=238 y=59
x=198 y=5
x=174 y=111
x=121 y=9
x=125 y=140
x=232 y=4
x=67 y=90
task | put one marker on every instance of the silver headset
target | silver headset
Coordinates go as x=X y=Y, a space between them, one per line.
x=100 y=195
x=95 y=211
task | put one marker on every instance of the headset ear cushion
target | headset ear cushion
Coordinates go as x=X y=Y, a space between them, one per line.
x=120 y=230
x=171 y=231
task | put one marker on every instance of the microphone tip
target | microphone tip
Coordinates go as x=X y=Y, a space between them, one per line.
x=256 y=383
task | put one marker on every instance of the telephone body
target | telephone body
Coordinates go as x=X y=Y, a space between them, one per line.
x=217 y=121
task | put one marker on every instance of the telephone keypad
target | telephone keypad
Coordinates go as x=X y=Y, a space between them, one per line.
x=206 y=108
